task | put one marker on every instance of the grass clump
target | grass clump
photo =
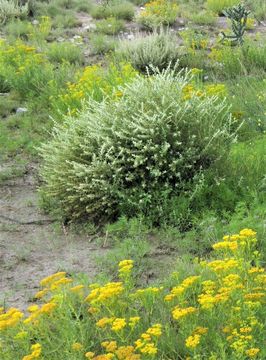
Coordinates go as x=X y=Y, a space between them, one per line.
x=202 y=17
x=153 y=51
x=102 y=44
x=217 y=6
x=214 y=309
x=110 y=26
x=134 y=155
x=61 y=52
x=116 y=8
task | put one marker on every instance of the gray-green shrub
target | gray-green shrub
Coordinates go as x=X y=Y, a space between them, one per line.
x=134 y=155
x=155 y=50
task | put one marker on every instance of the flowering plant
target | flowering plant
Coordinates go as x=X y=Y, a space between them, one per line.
x=218 y=313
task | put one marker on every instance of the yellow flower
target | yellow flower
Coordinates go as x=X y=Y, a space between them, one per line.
x=49 y=279
x=40 y=294
x=133 y=321
x=104 y=321
x=193 y=341
x=179 y=313
x=155 y=330
x=105 y=293
x=35 y=352
x=89 y=355
x=252 y=352
x=200 y=330
x=33 y=308
x=47 y=308
x=118 y=324
x=149 y=349
x=248 y=233
x=110 y=346
x=77 y=346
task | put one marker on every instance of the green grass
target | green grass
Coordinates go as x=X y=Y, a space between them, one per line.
x=110 y=26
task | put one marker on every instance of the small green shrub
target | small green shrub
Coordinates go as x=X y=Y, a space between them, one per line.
x=65 y=21
x=17 y=29
x=102 y=44
x=202 y=17
x=117 y=9
x=217 y=6
x=60 y=52
x=258 y=8
x=157 y=50
x=133 y=155
x=11 y=9
x=110 y=26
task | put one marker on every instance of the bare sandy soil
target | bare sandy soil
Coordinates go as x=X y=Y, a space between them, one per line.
x=31 y=247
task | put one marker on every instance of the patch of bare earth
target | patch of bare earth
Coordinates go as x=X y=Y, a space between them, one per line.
x=31 y=247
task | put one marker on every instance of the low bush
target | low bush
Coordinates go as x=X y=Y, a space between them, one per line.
x=215 y=311
x=102 y=44
x=233 y=61
x=157 y=13
x=24 y=68
x=217 y=6
x=157 y=50
x=110 y=26
x=17 y=29
x=202 y=17
x=116 y=8
x=61 y=52
x=11 y=9
x=133 y=155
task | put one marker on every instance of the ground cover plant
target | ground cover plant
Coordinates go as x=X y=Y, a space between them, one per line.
x=132 y=133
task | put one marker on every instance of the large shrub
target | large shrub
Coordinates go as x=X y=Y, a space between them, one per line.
x=134 y=154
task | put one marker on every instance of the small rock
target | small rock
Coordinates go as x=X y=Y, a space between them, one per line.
x=60 y=39
x=89 y=27
x=131 y=36
x=21 y=110
x=35 y=22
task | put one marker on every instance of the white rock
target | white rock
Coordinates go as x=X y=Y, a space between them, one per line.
x=131 y=36
x=35 y=22
x=21 y=110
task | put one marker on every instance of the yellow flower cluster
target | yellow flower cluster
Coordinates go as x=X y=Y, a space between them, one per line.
x=146 y=343
x=10 y=318
x=219 y=309
x=191 y=90
x=179 y=290
x=158 y=12
x=125 y=267
x=93 y=82
x=179 y=313
x=105 y=293
x=36 y=350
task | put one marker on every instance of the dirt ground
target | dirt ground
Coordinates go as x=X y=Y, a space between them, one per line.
x=31 y=246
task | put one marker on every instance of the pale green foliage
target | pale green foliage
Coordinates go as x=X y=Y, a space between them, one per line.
x=218 y=6
x=10 y=9
x=131 y=156
x=157 y=50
